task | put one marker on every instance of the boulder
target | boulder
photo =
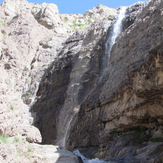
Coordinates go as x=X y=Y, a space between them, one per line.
x=46 y=14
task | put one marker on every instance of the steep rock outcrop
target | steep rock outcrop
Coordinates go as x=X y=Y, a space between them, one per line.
x=129 y=97
x=115 y=112
x=73 y=76
x=22 y=55
x=31 y=38
x=68 y=76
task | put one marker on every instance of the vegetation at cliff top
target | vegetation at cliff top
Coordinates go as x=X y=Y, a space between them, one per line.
x=76 y=25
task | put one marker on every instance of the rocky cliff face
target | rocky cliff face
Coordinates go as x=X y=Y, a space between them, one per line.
x=125 y=108
x=65 y=76
x=31 y=37
x=54 y=65
x=73 y=76
x=121 y=107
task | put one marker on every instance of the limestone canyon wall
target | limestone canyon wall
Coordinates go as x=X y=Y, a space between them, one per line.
x=120 y=106
x=126 y=107
x=31 y=37
x=56 y=76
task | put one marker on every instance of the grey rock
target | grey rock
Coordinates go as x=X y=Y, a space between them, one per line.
x=115 y=109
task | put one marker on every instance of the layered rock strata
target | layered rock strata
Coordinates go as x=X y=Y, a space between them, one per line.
x=31 y=37
x=126 y=107
x=121 y=108
x=115 y=111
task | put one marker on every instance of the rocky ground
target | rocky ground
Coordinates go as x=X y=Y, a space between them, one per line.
x=18 y=150
x=54 y=65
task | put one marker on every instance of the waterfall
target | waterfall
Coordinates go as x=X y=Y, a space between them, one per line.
x=117 y=29
x=86 y=160
x=61 y=141
x=66 y=132
x=68 y=115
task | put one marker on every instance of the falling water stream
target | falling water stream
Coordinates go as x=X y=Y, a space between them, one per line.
x=117 y=29
x=67 y=118
x=76 y=110
x=85 y=160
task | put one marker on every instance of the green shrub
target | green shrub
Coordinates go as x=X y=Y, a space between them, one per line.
x=4 y=139
x=16 y=140
x=143 y=137
x=95 y=19
x=110 y=17
x=28 y=93
x=2 y=23
x=12 y=107
x=8 y=140
x=76 y=25
x=114 y=133
x=4 y=36
x=65 y=19
x=156 y=139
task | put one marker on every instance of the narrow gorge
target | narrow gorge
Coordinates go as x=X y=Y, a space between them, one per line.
x=81 y=88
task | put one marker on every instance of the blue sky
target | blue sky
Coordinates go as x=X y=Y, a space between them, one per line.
x=81 y=6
